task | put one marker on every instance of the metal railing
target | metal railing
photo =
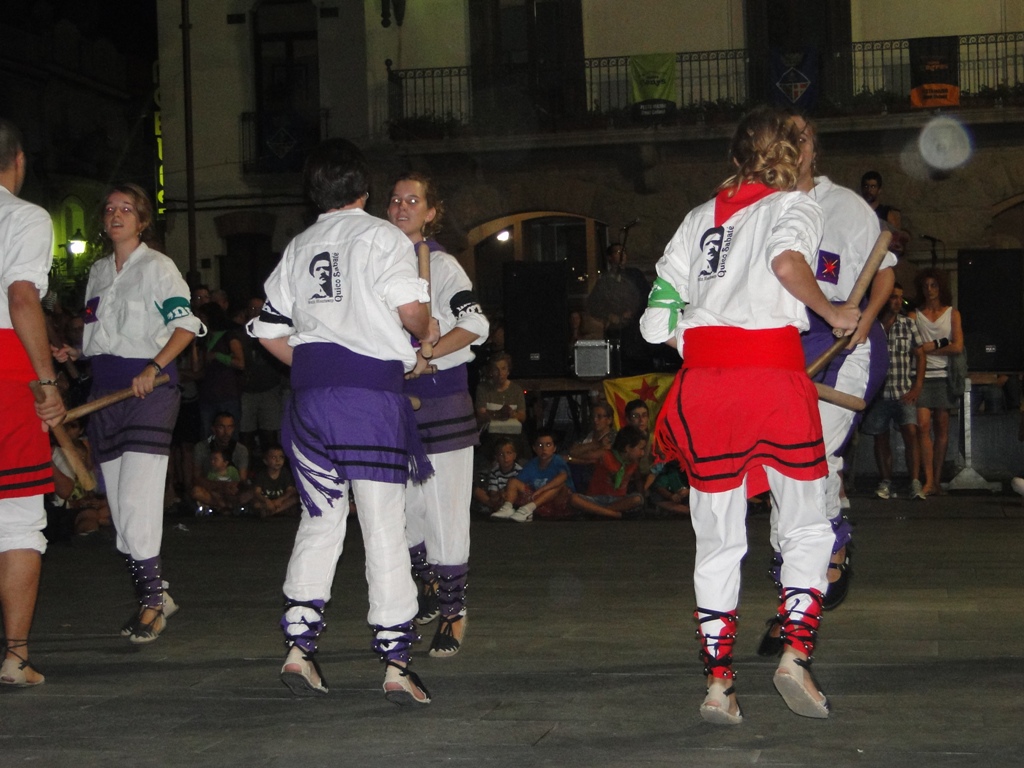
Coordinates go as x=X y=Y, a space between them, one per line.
x=702 y=77
x=986 y=62
x=438 y=102
x=278 y=141
x=442 y=93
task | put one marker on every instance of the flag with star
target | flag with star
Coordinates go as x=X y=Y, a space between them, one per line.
x=650 y=387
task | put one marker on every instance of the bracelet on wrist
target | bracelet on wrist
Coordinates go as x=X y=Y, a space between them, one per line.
x=155 y=364
x=46 y=383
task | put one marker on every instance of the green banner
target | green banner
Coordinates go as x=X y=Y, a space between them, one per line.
x=653 y=76
x=652 y=80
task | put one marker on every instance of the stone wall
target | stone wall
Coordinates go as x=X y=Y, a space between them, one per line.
x=658 y=177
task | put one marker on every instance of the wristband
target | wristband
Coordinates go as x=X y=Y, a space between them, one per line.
x=155 y=364
x=940 y=343
x=46 y=383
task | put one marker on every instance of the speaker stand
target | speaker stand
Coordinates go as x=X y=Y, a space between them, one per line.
x=968 y=479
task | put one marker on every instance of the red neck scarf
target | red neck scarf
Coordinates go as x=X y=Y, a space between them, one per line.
x=729 y=202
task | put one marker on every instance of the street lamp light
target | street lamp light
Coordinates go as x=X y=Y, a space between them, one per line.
x=76 y=243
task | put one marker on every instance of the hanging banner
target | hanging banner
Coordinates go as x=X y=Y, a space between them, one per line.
x=795 y=81
x=651 y=388
x=652 y=79
x=934 y=71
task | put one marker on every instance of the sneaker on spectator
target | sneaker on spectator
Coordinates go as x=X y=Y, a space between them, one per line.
x=917 y=490
x=524 y=514
x=884 y=490
x=504 y=511
x=1018 y=485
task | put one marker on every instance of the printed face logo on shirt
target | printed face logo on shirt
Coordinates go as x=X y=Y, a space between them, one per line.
x=828 y=268
x=324 y=269
x=711 y=245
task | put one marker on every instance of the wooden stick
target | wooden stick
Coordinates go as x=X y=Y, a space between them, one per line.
x=114 y=397
x=85 y=478
x=843 y=400
x=423 y=257
x=867 y=274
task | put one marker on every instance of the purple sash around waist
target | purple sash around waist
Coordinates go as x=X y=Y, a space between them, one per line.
x=113 y=372
x=320 y=365
x=446 y=420
x=348 y=416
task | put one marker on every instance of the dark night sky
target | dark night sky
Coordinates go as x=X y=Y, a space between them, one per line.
x=129 y=24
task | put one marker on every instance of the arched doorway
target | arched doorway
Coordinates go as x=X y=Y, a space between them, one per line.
x=538 y=236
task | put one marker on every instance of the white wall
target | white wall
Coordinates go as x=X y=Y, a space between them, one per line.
x=617 y=28
x=888 y=20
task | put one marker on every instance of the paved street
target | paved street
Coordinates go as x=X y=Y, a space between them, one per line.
x=580 y=652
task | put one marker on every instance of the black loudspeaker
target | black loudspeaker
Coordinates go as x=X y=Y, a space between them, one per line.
x=990 y=297
x=536 y=306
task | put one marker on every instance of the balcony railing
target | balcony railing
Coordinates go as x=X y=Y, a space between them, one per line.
x=703 y=77
x=437 y=91
x=438 y=102
x=988 y=63
x=277 y=141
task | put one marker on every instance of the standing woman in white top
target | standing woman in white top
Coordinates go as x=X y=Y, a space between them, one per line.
x=437 y=509
x=138 y=319
x=939 y=325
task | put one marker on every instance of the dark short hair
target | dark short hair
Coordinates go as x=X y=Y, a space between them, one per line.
x=632 y=405
x=11 y=143
x=501 y=443
x=545 y=432
x=335 y=174
x=221 y=415
x=627 y=437
x=871 y=176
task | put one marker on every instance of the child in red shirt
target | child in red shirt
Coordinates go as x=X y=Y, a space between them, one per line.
x=607 y=493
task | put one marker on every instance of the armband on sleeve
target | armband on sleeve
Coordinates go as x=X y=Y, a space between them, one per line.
x=665 y=296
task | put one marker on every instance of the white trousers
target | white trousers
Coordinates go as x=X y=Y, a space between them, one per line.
x=437 y=511
x=835 y=426
x=719 y=521
x=135 y=493
x=319 y=542
x=22 y=520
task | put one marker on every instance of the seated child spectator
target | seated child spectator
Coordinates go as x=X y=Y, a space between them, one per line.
x=488 y=496
x=221 y=493
x=593 y=446
x=542 y=488
x=274 y=487
x=607 y=494
x=670 y=491
x=71 y=509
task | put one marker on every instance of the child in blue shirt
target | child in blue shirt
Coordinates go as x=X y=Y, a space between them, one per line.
x=543 y=487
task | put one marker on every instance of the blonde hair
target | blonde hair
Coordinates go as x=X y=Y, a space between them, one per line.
x=764 y=149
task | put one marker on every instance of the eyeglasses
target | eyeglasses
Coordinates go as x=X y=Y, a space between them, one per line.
x=637 y=416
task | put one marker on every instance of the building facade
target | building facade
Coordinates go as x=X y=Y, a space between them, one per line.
x=522 y=110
